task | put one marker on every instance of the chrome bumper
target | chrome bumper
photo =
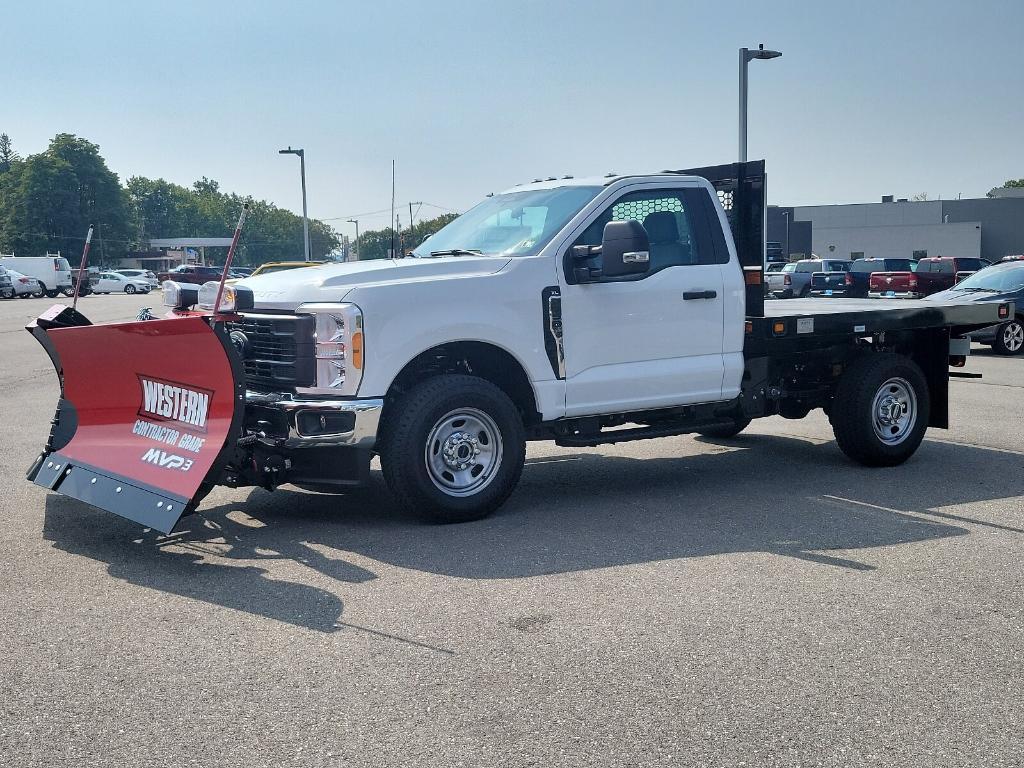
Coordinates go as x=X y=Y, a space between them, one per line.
x=361 y=433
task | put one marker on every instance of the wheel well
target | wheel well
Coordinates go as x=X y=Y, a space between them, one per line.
x=473 y=358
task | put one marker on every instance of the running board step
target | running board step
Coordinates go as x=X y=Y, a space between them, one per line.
x=637 y=433
x=964 y=375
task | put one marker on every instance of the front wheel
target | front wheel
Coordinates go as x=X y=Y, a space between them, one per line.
x=69 y=292
x=52 y=294
x=880 y=410
x=452 y=449
x=129 y=289
x=39 y=292
x=1009 y=338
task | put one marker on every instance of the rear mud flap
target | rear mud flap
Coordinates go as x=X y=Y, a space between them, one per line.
x=150 y=413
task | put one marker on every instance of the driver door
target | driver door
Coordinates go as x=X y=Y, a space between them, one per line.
x=654 y=339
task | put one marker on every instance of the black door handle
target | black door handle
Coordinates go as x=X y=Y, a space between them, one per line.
x=690 y=295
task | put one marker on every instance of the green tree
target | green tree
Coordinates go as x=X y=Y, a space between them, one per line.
x=1009 y=183
x=39 y=207
x=8 y=157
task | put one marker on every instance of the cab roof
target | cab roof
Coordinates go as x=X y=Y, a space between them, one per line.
x=596 y=181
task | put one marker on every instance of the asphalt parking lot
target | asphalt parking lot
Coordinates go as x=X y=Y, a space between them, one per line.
x=682 y=601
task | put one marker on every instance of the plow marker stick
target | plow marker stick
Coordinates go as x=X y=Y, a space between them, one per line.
x=230 y=256
x=81 y=267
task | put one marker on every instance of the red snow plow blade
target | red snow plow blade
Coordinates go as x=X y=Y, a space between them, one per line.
x=148 y=415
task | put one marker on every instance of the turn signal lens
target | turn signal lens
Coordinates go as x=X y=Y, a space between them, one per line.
x=1004 y=311
x=357 y=350
x=779 y=327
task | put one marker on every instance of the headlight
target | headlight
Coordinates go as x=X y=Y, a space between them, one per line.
x=179 y=295
x=233 y=299
x=338 y=342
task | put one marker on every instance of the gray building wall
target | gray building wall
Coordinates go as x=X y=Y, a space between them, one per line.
x=890 y=230
x=987 y=227
x=1001 y=220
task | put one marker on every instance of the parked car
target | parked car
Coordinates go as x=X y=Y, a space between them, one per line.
x=938 y=273
x=24 y=286
x=998 y=283
x=894 y=285
x=112 y=282
x=795 y=277
x=6 y=287
x=190 y=273
x=52 y=272
x=1015 y=257
x=858 y=281
x=145 y=274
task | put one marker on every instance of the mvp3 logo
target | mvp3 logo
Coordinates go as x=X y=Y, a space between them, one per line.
x=167 y=460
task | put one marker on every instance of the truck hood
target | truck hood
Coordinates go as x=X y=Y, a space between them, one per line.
x=331 y=282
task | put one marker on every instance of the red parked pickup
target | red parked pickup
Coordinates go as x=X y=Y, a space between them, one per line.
x=190 y=273
x=931 y=276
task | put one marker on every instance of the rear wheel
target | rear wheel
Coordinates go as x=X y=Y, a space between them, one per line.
x=8 y=293
x=69 y=292
x=729 y=430
x=39 y=292
x=452 y=449
x=1010 y=338
x=880 y=411
x=129 y=289
x=52 y=294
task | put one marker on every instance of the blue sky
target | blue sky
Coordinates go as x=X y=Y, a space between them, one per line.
x=869 y=98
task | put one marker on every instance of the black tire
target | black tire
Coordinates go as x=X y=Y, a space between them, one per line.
x=870 y=385
x=52 y=294
x=1010 y=338
x=9 y=293
x=731 y=430
x=422 y=411
x=39 y=292
x=69 y=292
x=129 y=289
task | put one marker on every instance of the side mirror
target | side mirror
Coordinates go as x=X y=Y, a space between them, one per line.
x=625 y=249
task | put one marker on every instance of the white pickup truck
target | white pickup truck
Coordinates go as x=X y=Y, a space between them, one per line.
x=584 y=311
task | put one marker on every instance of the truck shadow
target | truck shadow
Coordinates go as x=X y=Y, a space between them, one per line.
x=572 y=512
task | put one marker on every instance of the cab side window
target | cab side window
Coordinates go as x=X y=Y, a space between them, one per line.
x=669 y=224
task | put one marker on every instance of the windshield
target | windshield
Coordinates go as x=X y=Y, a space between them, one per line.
x=513 y=224
x=1004 y=278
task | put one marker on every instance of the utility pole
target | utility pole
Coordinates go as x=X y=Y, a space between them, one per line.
x=356 y=222
x=393 y=207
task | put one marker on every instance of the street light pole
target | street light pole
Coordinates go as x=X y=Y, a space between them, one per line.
x=356 y=222
x=746 y=55
x=305 y=218
x=786 y=254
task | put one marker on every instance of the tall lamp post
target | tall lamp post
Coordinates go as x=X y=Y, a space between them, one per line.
x=356 y=222
x=786 y=254
x=746 y=55
x=305 y=219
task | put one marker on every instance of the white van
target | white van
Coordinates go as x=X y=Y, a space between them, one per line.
x=53 y=272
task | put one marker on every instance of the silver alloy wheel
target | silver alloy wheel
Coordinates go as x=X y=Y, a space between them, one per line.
x=463 y=452
x=894 y=411
x=1013 y=336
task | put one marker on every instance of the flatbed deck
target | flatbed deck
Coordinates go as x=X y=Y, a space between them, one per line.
x=864 y=317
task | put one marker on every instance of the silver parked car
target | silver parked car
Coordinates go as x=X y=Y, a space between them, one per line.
x=794 y=280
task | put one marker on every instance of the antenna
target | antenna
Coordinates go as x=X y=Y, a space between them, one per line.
x=393 y=217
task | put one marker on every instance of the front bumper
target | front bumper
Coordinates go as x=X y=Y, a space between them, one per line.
x=308 y=423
